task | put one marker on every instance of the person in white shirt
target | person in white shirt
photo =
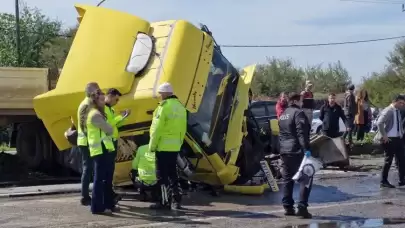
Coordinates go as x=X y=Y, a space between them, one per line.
x=389 y=135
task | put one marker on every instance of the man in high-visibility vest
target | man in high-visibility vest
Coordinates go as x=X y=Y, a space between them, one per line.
x=87 y=164
x=167 y=131
x=101 y=146
x=115 y=120
x=143 y=173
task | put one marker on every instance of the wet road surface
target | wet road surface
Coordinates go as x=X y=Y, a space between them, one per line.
x=334 y=202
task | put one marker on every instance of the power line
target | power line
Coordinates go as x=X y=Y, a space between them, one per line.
x=256 y=46
x=376 y=1
x=311 y=45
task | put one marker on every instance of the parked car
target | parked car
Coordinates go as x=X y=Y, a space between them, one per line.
x=266 y=117
x=316 y=126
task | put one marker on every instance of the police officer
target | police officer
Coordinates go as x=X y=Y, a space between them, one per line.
x=100 y=143
x=115 y=120
x=169 y=126
x=294 y=142
x=87 y=163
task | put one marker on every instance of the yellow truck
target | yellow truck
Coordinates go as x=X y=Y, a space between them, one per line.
x=123 y=51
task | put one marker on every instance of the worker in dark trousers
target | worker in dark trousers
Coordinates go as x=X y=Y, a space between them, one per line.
x=350 y=110
x=294 y=144
x=389 y=135
x=115 y=120
x=330 y=115
x=167 y=131
x=87 y=164
x=101 y=147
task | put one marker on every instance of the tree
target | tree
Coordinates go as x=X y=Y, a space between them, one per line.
x=390 y=81
x=37 y=31
x=277 y=76
x=281 y=75
x=56 y=50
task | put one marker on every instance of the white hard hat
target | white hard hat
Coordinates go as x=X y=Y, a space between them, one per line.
x=165 y=88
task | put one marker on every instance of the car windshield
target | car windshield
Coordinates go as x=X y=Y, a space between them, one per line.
x=220 y=68
x=272 y=108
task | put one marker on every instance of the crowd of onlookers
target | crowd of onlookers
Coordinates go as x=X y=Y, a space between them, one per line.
x=295 y=114
x=355 y=109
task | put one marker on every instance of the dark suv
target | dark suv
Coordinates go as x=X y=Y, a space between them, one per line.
x=265 y=115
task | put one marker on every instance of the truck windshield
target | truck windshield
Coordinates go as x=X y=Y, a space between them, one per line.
x=220 y=68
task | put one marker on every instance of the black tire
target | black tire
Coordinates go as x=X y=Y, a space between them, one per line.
x=30 y=145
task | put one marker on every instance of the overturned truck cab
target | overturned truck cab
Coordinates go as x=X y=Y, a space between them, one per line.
x=123 y=51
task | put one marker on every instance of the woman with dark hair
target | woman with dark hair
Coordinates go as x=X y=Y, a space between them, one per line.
x=282 y=104
x=362 y=116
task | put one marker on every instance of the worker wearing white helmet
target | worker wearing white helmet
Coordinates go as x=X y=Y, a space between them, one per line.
x=169 y=126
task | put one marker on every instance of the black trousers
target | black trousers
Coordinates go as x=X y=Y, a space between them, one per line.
x=394 y=148
x=349 y=133
x=289 y=167
x=360 y=129
x=167 y=172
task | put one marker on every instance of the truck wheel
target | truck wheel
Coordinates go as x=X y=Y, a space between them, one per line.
x=30 y=145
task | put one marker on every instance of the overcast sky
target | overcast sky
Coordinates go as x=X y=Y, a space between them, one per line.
x=270 y=22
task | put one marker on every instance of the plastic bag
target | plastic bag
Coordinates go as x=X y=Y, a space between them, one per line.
x=309 y=166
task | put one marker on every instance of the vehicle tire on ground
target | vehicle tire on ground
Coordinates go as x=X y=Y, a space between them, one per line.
x=29 y=145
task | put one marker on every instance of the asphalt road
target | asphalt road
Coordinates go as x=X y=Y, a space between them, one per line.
x=349 y=201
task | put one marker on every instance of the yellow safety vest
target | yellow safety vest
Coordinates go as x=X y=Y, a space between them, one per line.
x=114 y=120
x=81 y=136
x=169 y=126
x=96 y=136
x=145 y=163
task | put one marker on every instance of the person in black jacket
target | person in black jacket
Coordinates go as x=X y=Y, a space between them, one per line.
x=330 y=114
x=294 y=143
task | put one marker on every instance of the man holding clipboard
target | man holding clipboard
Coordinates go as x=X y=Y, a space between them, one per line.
x=111 y=99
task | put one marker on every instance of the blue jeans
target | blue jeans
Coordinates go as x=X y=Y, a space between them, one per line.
x=102 y=197
x=87 y=170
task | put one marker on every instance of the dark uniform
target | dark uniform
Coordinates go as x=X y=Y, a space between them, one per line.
x=294 y=142
x=330 y=116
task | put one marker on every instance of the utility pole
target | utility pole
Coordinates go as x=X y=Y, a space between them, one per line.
x=17 y=28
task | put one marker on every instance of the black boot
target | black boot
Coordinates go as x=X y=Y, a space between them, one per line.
x=303 y=213
x=159 y=206
x=289 y=211
x=85 y=201
x=386 y=184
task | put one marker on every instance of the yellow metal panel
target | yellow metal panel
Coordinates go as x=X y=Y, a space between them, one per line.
x=275 y=129
x=180 y=58
x=100 y=52
x=102 y=47
x=234 y=134
x=201 y=75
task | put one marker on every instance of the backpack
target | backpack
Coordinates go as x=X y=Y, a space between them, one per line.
x=71 y=135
